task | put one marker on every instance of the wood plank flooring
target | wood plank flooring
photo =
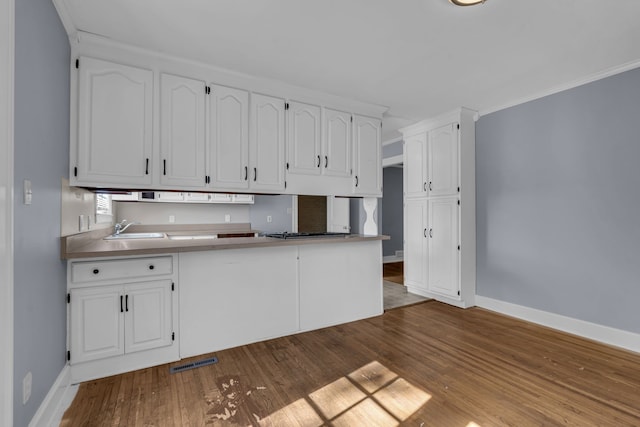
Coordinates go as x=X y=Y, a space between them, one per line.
x=425 y=365
x=393 y=272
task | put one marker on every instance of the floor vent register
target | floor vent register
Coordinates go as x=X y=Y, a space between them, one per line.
x=193 y=365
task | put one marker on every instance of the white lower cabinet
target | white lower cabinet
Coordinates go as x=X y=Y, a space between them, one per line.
x=235 y=297
x=415 y=243
x=431 y=246
x=339 y=283
x=121 y=315
x=96 y=328
x=115 y=320
x=443 y=253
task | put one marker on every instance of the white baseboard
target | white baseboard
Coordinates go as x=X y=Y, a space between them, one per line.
x=604 y=334
x=52 y=404
x=391 y=258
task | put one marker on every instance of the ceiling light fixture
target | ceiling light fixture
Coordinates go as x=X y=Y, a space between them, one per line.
x=466 y=2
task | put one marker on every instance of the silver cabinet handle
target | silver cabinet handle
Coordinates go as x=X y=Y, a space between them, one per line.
x=425 y=233
x=318 y=160
x=246 y=173
x=431 y=233
x=430 y=186
x=326 y=162
x=255 y=174
x=424 y=187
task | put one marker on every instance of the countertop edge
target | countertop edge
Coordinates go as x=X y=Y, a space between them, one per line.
x=99 y=248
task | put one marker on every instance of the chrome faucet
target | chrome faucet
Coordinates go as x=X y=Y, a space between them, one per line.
x=120 y=226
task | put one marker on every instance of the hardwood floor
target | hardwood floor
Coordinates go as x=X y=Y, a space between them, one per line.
x=393 y=272
x=424 y=365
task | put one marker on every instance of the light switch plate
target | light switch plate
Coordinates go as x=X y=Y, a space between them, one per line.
x=28 y=193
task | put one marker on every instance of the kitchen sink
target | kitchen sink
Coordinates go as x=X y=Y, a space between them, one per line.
x=192 y=236
x=124 y=236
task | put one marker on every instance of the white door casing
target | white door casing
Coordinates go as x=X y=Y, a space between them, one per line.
x=7 y=19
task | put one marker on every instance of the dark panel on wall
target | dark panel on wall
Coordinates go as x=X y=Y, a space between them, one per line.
x=312 y=214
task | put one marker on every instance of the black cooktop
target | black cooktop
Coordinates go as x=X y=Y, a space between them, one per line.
x=286 y=235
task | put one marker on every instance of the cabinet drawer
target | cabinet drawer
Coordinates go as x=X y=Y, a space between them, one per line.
x=93 y=271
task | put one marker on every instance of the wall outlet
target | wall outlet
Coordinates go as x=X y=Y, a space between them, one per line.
x=82 y=223
x=26 y=387
x=227 y=218
x=172 y=218
x=269 y=218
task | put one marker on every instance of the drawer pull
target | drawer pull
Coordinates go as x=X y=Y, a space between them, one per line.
x=96 y=271
x=126 y=303
x=121 y=307
x=151 y=267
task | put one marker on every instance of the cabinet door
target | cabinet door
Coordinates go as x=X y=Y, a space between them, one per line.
x=303 y=137
x=443 y=160
x=266 y=143
x=444 y=265
x=337 y=143
x=415 y=243
x=367 y=155
x=96 y=324
x=229 y=137
x=148 y=318
x=415 y=166
x=114 y=124
x=182 y=127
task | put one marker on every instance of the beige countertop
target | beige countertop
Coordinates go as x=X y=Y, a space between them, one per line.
x=92 y=244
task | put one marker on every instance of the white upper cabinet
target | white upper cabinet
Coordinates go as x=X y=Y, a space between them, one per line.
x=443 y=160
x=266 y=143
x=415 y=166
x=182 y=128
x=228 y=137
x=115 y=127
x=367 y=170
x=337 y=143
x=303 y=135
x=144 y=121
x=431 y=162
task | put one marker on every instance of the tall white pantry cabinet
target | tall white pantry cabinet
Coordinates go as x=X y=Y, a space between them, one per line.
x=439 y=208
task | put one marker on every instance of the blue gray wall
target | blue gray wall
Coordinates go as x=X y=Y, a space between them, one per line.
x=42 y=156
x=558 y=203
x=392 y=150
x=278 y=207
x=392 y=210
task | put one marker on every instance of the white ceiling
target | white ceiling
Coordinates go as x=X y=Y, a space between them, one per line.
x=420 y=58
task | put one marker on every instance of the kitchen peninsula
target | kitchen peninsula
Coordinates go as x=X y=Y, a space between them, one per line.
x=135 y=303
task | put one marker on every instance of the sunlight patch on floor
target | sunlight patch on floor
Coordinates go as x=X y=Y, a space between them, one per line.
x=372 y=395
x=299 y=413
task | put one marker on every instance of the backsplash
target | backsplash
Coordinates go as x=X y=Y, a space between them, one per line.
x=78 y=210
x=181 y=213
